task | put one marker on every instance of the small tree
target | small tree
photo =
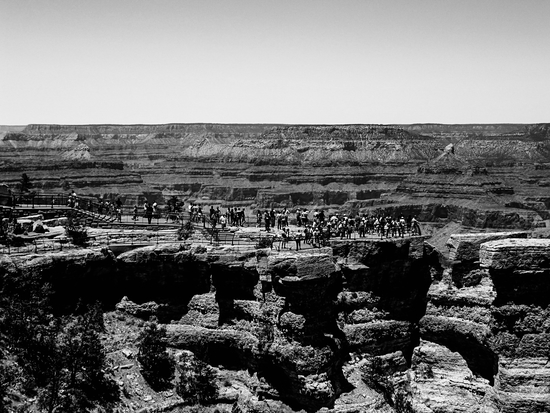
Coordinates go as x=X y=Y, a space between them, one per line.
x=77 y=381
x=7 y=376
x=157 y=366
x=197 y=382
x=185 y=231
x=61 y=358
x=264 y=242
x=25 y=183
x=77 y=232
x=174 y=203
x=66 y=185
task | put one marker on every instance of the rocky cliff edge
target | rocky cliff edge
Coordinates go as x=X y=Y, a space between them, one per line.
x=361 y=326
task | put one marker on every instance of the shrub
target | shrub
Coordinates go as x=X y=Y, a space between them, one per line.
x=61 y=359
x=157 y=366
x=264 y=242
x=265 y=331
x=77 y=381
x=197 y=382
x=25 y=183
x=78 y=235
x=7 y=376
x=185 y=231
x=76 y=232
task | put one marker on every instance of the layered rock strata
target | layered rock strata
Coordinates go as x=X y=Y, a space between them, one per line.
x=361 y=326
x=490 y=309
x=496 y=179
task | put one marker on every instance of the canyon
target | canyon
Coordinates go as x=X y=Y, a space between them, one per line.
x=490 y=176
x=455 y=320
x=360 y=326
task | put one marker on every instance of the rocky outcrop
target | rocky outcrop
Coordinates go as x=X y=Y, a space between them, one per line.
x=441 y=381
x=519 y=269
x=491 y=309
x=464 y=254
x=376 y=326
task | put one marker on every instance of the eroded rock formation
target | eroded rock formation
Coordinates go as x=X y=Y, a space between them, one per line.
x=358 y=326
x=494 y=178
x=491 y=310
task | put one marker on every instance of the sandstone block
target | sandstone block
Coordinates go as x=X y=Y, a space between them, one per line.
x=435 y=326
x=301 y=267
x=516 y=254
x=378 y=337
x=465 y=247
x=482 y=294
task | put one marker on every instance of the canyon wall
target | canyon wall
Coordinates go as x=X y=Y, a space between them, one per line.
x=501 y=171
x=358 y=326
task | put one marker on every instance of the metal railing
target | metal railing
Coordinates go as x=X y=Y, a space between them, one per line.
x=214 y=237
x=212 y=232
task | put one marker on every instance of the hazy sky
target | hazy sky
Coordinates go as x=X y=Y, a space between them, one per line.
x=255 y=61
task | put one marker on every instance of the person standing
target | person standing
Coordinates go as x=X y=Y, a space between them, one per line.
x=298 y=239
x=267 y=221
x=149 y=213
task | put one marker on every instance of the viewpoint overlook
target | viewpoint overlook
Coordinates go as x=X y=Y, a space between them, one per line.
x=454 y=317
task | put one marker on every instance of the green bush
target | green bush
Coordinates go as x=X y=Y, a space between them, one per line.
x=157 y=366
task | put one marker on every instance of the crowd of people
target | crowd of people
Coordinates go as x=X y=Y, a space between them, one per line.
x=216 y=218
x=314 y=227
x=319 y=228
x=102 y=207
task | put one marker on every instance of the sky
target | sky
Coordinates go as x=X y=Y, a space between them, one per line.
x=274 y=61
